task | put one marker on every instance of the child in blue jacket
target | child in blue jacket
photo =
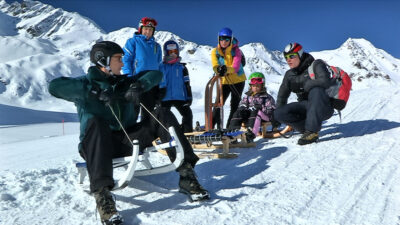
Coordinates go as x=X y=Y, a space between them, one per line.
x=175 y=85
x=142 y=52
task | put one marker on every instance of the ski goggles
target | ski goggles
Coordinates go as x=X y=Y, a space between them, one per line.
x=291 y=55
x=173 y=51
x=225 y=38
x=148 y=22
x=256 y=80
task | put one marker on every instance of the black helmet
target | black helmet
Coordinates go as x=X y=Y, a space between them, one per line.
x=294 y=48
x=102 y=51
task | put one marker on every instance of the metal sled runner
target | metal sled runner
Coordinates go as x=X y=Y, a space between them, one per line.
x=130 y=163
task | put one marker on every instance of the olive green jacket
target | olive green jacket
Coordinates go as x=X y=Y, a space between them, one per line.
x=80 y=91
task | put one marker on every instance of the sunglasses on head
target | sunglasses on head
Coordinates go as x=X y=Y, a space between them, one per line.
x=291 y=55
x=256 y=80
x=225 y=38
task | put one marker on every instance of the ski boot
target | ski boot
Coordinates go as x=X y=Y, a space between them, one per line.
x=189 y=185
x=308 y=137
x=105 y=205
x=250 y=136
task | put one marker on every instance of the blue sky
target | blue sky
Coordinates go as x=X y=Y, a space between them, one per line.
x=317 y=25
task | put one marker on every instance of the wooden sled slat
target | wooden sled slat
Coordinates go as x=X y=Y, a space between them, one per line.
x=274 y=133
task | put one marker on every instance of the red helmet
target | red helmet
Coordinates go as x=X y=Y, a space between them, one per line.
x=294 y=48
x=147 y=22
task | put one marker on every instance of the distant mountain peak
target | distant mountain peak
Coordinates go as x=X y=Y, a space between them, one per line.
x=42 y=20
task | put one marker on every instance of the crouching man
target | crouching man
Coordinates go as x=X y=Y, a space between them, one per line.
x=102 y=97
x=313 y=105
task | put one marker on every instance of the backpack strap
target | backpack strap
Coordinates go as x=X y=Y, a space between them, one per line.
x=311 y=71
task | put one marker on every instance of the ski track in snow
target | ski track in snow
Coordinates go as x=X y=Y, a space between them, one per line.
x=349 y=177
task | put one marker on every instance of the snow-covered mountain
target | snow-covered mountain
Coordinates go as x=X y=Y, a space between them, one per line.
x=40 y=43
x=351 y=176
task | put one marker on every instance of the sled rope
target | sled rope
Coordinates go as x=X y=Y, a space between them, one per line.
x=151 y=114
x=120 y=124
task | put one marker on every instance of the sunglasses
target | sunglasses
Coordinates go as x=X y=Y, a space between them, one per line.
x=256 y=80
x=225 y=38
x=291 y=55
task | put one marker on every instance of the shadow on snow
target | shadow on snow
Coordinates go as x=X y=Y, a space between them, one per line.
x=214 y=175
x=356 y=128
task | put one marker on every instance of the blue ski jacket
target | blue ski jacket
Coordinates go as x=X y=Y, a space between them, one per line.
x=175 y=82
x=141 y=54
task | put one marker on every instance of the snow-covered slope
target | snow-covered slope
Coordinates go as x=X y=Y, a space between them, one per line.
x=40 y=43
x=349 y=177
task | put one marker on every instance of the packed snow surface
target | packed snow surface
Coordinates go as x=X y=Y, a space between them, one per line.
x=351 y=176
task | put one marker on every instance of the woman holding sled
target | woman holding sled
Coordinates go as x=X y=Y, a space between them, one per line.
x=226 y=61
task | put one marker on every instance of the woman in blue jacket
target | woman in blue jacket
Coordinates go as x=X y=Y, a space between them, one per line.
x=175 y=86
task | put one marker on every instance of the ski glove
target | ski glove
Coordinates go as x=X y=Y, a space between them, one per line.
x=134 y=92
x=256 y=107
x=221 y=70
x=188 y=103
x=106 y=96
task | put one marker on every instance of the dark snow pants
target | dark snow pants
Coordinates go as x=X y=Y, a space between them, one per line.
x=185 y=111
x=100 y=145
x=306 y=115
x=235 y=90
x=238 y=119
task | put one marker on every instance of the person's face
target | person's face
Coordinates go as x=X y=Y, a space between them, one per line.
x=224 y=42
x=173 y=53
x=116 y=64
x=293 y=60
x=147 y=31
x=256 y=88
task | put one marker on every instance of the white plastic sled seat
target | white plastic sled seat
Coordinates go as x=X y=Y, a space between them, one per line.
x=130 y=163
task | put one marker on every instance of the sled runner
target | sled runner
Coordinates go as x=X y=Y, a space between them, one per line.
x=206 y=142
x=130 y=163
x=209 y=105
x=273 y=133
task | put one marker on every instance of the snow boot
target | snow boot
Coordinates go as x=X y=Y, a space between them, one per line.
x=308 y=137
x=105 y=205
x=249 y=135
x=189 y=185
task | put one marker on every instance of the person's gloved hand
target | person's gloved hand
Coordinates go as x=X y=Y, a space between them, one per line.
x=258 y=106
x=188 y=102
x=133 y=93
x=221 y=70
x=106 y=96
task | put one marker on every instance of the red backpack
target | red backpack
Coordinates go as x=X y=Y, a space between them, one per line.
x=339 y=91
